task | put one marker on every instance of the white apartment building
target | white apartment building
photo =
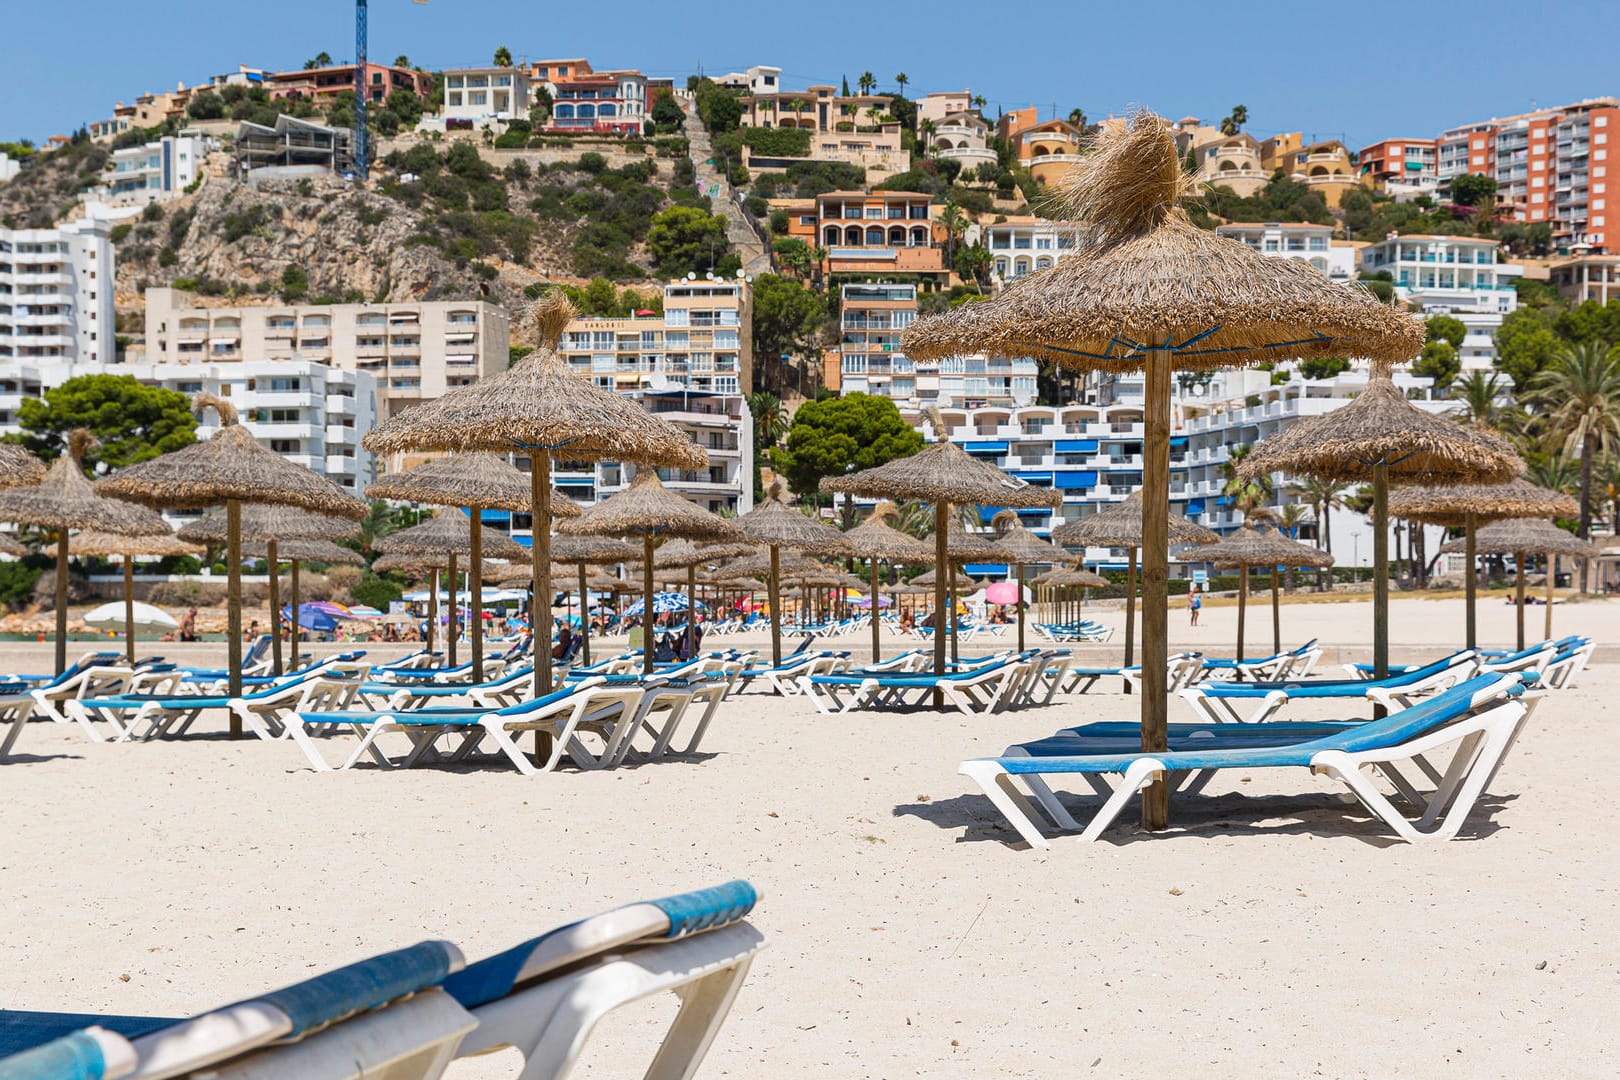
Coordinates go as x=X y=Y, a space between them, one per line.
x=416 y=351
x=1461 y=276
x=489 y=95
x=759 y=79
x=1300 y=240
x=1023 y=244
x=309 y=412
x=963 y=137
x=156 y=171
x=56 y=294
x=9 y=168
x=701 y=342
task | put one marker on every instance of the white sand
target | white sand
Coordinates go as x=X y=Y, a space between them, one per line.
x=1274 y=932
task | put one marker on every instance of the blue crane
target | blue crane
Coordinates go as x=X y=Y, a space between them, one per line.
x=362 y=166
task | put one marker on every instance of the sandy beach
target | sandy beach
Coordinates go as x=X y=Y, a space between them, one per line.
x=1274 y=931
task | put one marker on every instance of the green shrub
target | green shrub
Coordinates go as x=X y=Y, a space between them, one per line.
x=375 y=591
x=17 y=582
x=592 y=162
x=119 y=232
x=778 y=142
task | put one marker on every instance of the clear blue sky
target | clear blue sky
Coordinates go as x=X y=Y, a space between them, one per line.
x=1341 y=70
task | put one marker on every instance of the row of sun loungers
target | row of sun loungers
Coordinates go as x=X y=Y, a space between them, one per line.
x=406 y=1014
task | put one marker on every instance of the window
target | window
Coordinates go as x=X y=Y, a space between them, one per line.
x=285 y=446
x=677 y=317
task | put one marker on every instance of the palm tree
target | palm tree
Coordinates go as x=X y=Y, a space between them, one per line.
x=978 y=101
x=1610 y=486
x=1249 y=496
x=1288 y=520
x=1554 y=471
x=901 y=80
x=798 y=106
x=866 y=82
x=1581 y=389
x=503 y=56
x=1077 y=117
x=954 y=222
x=402 y=61
x=1323 y=496
x=1476 y=396
x=770 y=419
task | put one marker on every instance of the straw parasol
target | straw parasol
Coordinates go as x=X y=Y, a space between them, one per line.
x=1060 y=579
x=272 y=526
x=1520 y=537
x=1019 y=546
x=65 y=500
x=18 y=467
x=580 y=552
x=777 y=526
x=1151 y=291
x=944 y=474
x=1467 y=506
x=449 y=534
x=477 y=482
x=960 y=548
x=1384 y=439
x=230 y=468
x=1254 y=546
x=1121 y=525
x=540 y=405
x=11 y=548
x=104 y=545
x=685 y=555
x=651 y=511
x=872 y=540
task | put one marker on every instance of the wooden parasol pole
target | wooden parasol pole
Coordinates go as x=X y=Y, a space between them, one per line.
x=233 y=605
x=1130 y=608
x=453 y=626
x=540 y=577
x=1518 y=596
x=1243 y=595
x=874 y=610
x=1471 y=586
x=942 y=520
x=646 y=604
x=1018 y=602
x=691 y=607
x=61 y=598
x=1380 y=573
x=774 y=589
x=275 y=608
x=1276 y=616
x=584 y=618
x=293 y=637
x=433 y=608
x=951 y=621
x=475 y=585
x=1552 y=588
x=129 y=608
x=1155 y=577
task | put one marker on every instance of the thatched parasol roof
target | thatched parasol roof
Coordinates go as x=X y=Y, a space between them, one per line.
x=759 y=564
x=1017 y=544
x=942 y=472
x=1260 y=546
x=873 y=539
x=448 y=533
x=1147 y=276
x=775 y=523
x=931 y=576
x=1531 y=535
x=18 y=466
x=592 y=550
x=540 y=403
x=229 y=465
x=102 y=545
x=1380 y=425
x=305 y=551
x=65 y=499
x=962 y=546
x=1068 y=577
x=678 y=554
x=11 y=548
x=1121 y=526
x=426 y=561
x=1451 y=504
x=647 y=508
x=907 y=589
x=280 y=523
x=482 y=480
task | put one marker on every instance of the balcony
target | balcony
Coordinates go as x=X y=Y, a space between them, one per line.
x=968 y=155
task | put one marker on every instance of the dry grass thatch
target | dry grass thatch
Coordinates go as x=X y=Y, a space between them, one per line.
x=758 y=565
x=450 y=533
x=1451 y=504
x=482 y=480
x=1017 y=544
x=103 y=545
x=943 y=472
x=262 y=522
x=592 y=550
x=1069 y=578
x=1147 y=276
x=304 y=551
x=229 y=465
x=423 y=562
x=1381 y=426
x=874 y=539
x=65 y=499
x=1121 y=526
x=18 y=467
x=1527 y=535
x=684 y=553
x=962 y=546
x=776 y=524
x=1260 y=546
x=647 y=508
x=541 y=404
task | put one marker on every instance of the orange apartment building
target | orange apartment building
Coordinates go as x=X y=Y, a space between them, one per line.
x=1046 y=150
x=1401 y=166
x=319 y=84
x=885 y=232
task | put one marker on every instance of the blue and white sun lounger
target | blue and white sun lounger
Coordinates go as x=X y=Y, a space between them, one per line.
x=263 y=711
x=978 y=690
x=780 y=678
x=1216 y=702
x=1481 y=717
x=15 y=709
x=1293 y=664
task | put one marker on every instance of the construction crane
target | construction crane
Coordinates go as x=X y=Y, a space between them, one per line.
x=362 y=167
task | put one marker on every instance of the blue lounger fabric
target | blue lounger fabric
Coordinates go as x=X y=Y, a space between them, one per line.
x=72 y=1057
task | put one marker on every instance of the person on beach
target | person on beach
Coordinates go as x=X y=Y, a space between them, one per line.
x=188 y=625
x=1195 y=603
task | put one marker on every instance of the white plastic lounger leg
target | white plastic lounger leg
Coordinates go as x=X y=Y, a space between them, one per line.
x=1049 y=801
x=1015 y=807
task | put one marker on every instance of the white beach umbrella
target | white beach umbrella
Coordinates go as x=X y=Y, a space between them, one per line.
x=111 y=616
